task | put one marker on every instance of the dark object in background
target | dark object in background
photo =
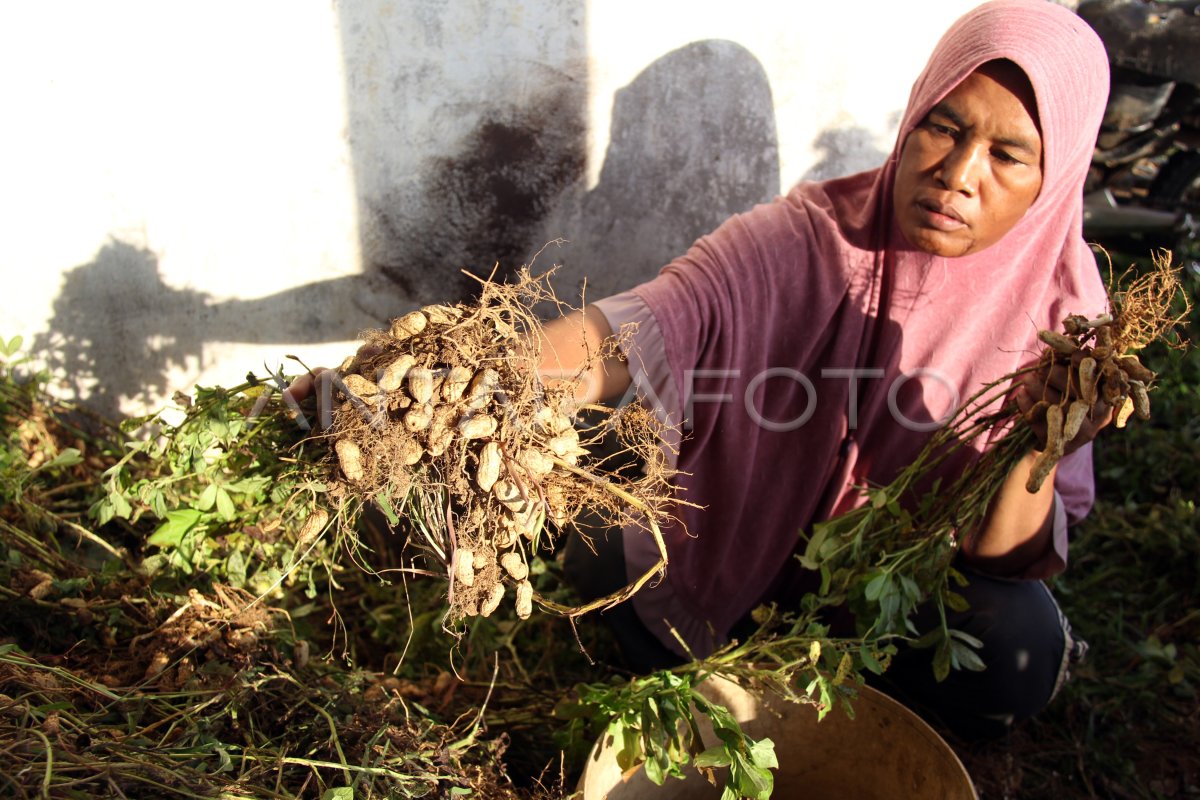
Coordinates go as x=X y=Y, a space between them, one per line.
x=1144 y=185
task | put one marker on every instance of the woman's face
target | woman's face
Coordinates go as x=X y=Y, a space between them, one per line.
x=972 y=168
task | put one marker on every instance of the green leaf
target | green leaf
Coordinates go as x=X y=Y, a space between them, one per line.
x=811 y=551
x=755 y=782
x=235 y=569
x=208 y=498
x=967 y=638
x=339 y=793
x=655 y=771
x=875 y=587
x=384 y=502
x=14 y=344
x=966 y=657
x=868 y=659
x=178 y=523
x=102 y=511
x=714 y=757
x=154 y=563
x=225 y=506
x=941 y=661
x=158 y=503
x=956 y=601
x=762 y=753
x=120 y=505
x=67 y=457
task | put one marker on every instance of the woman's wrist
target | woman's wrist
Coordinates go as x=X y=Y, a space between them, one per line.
x=1019 y=527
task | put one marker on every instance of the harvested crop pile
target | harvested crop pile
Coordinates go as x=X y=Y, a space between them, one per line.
x=444 y=419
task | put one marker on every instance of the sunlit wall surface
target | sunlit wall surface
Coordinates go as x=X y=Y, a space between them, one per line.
x=191 y=191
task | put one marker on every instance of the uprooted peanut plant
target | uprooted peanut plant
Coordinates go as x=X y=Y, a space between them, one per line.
x=445 y=420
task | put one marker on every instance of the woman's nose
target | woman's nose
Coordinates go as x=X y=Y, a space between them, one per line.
x=960 y=171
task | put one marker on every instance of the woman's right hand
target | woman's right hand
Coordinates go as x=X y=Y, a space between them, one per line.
x=304 y=386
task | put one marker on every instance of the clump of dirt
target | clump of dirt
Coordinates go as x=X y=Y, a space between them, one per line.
x=444 y=419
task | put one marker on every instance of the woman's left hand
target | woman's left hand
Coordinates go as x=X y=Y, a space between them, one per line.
x=1051 y=385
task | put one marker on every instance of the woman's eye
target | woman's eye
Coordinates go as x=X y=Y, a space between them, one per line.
x=1007 y=158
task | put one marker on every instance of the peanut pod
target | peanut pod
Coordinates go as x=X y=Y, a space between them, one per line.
x=361 y=388
x=1046 y=460
x=1134 y=368
x=1061 y=344
x=566 y=444
x=409 y=325
x=1124 y=412
x=1054 y=429
x=1076 y=414
x=392 y=376
x=312 y=526
x=509 y=495
x=455 y=383
x=550 y=422
x=528 y=520
x=409 y=452
x=418 y=417
x=514 y=565
x=492 y=601
x=420 y=384
x=441 y=431
x=535 y=462
x=524 y=599
x=1115 y=386
x=442 y=315
x=1087 y=380
x=487 y=470
x=505 y=534
x=1036 y=412
x=557 y=505
x=482 y=387
x=1075 y=324
x=476 y=426
x=464 y=570
x=350 y=458
x=1141 y=399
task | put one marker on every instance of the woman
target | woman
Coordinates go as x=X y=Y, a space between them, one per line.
x=811 y=345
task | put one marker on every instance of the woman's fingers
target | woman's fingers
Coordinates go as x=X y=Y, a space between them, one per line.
x=303 y=386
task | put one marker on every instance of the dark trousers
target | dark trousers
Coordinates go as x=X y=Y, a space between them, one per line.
x=1027 y=645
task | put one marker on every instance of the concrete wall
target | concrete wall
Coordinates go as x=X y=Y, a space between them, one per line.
x=191 y=191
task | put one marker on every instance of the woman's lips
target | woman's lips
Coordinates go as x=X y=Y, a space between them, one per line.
x=940 y=217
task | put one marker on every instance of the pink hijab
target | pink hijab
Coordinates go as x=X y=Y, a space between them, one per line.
x=820 y=282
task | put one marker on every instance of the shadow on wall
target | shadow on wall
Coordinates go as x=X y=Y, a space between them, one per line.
x=476 y=210
x=467 y=121
x=845 y=151
x=118 y=330
x=693 y=141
